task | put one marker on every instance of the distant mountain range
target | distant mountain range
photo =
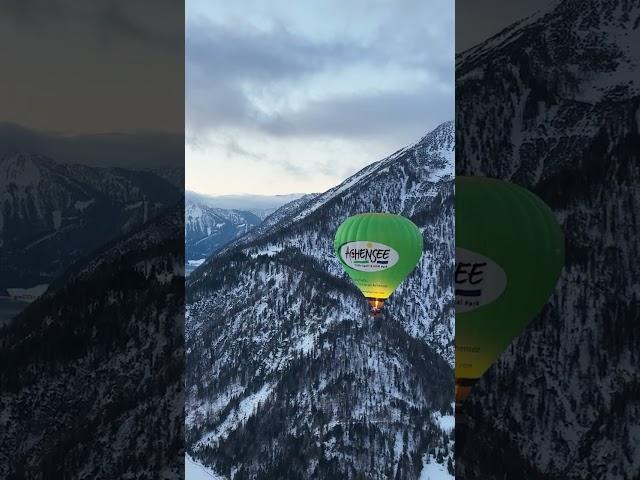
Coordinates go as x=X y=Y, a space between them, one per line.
x=213 y=222
x=53 y=214
x=287 y=375
x=552 y=103
x=260 y=205
x=208 y=229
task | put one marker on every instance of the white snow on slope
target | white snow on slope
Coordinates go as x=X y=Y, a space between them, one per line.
x=446 y=422
x=269 y=250
x=435 y=471
x=194 y=470
x=246 y=408
x=27 y=294
x=83 y=205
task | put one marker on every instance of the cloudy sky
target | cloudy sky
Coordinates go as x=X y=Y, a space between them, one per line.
x=288 y=96
x=99 y=82
x=476 y=21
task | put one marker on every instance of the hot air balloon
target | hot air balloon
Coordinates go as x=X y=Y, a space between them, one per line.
x=378 y=251
x=509 y=255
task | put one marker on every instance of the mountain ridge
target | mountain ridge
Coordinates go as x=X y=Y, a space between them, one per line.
x=208 y=229
x=54 y=213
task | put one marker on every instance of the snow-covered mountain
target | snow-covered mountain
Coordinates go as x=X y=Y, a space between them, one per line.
x=288 y=377
x=208 y=229
x=553 y=103
x=276 y=219
x=52 y=214
x=260 y=205
x=91 y=372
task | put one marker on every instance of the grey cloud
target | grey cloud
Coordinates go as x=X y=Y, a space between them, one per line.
x=129 y=150
x=226 y=64
x=222 y=62
x=477 y=21
x=115 y=18
x=150 y=21
x=93 y=66
x=32 y=12
x=214 y=104
x=228 y=52
x=294 y=168
x=378 y=114
x=234 y=148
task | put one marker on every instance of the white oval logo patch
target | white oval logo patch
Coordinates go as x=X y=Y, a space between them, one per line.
x=478 y=280
x=368 y=256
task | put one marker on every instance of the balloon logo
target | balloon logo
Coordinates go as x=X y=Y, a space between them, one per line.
x=378 y=251
x=509 y=255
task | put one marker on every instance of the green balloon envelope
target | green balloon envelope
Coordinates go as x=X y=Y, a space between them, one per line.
x=509 y=255
x=378 y=251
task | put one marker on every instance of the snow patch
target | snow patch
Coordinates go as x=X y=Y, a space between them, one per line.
x=56 y=217
x=27 y=294
x=432 y=470
x=194 y=470
x=269 y=251
x=82 y=206
x=245 y=409
x=133 y=206
x=446 y=422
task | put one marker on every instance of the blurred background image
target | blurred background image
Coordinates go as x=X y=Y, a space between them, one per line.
x=91 y=239
x=547 y=98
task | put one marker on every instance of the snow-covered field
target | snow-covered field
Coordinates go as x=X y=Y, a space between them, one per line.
x=27 y=294
x=194 y=470
x=434 y=471
x=446 y=422
x=246 y=408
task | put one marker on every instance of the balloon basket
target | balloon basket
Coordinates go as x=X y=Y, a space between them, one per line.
x=463 y=389
x=375 y=306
